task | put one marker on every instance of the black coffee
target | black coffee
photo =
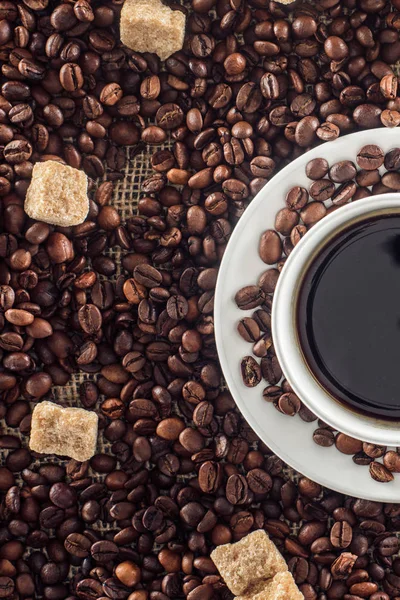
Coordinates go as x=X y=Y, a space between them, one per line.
x=348 y=316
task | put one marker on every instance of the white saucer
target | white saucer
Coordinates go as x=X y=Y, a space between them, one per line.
x=290 y=438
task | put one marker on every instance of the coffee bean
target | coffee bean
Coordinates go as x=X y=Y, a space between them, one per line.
x=236 y=489
x=104 y=551
x=391 y=461
x=367 y=115
x=322 y=189
x=289 y=404
x=297 y=198
x=259 y=481
x=78 y=545
x=347 y=445
x=249 y=297
x=341 y=534
x=285 y=220
x=317 y=168
x=62 y=495
x=312 y=213
x=342 y=171
x=324 y=437
x=248 y=329
x=391 y=180
x=370 y=157
x=344 y=193
x=336 y=48
x=251 y=371
x=380 y=473
x=90 y=319
x=128 y=573
x=71 y=77
x=270 y=247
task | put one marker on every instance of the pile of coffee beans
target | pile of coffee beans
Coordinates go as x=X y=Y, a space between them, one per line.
x=254 y=86
x=332 y=186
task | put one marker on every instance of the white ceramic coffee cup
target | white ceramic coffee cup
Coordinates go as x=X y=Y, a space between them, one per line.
x=285 y=335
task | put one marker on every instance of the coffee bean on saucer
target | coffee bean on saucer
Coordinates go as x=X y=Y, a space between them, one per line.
x=324 y=437
x=250 y=296
x=270 y=247
x=370 y=157
x=317 y=168
x=296 y=198
x=289 y=404
x=380 y=473
x=251 y=371
x=392 y=160
x=347 y=445
x=322 y=189
x=342 y=171
x=268 y=280
x=249 y=330
x=391 y=460
x=272 y=393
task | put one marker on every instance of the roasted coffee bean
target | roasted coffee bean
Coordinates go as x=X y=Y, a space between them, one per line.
x=249 y=330
x=251 y=371
x=370 y=157
x=285 y=220
x=391 y=180
x=322 y=189
x=324 y=437
x=77 y=544
x=380 y=473
x=271 y=370
x=391 y=461
x=270 y=247
x=342 y=171
x=312 y=213
x=341 y=534
x=104 y=551
x=289 y=404
x=249 y=297
x=317 y=168
x=297 y=198
x=347 y=445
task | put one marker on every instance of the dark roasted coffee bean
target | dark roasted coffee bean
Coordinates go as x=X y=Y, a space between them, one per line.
x=370 y=157
x=317 y=168
x=270 y=247
x=249 y=297
x=322 y=190
x=324 y=437
x=289 y=404
x=296 y=198
x=251 y=371
x=249 y=330
x=78 y=545
x=341 y=534
x=342 y=171
x=380 y=473
x=104 y=551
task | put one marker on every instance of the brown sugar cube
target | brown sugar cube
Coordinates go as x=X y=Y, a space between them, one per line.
x=65 y=431
x=281 y=587
x=248 y=561
x=150 y=26
x=57 y=194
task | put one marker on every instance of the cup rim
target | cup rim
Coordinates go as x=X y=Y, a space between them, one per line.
x=284 y=333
